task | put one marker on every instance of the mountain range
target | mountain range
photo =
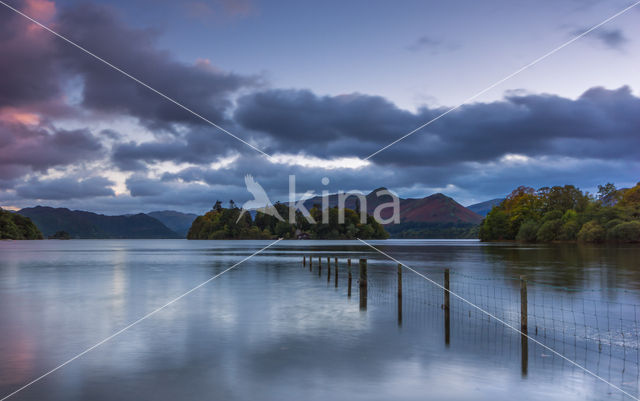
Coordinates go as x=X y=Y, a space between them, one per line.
x=81 y=224
x=436 y=208
x=434 y=216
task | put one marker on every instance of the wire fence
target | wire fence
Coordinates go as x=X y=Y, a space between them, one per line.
x=599 y=334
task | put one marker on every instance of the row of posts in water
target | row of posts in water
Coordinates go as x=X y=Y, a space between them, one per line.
x=362 y=277
x=446 y=306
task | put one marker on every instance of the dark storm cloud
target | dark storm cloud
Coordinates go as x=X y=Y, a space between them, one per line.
x=275 y=177
x=38 y=66
x=334 y=125
x=111 y=134
x=466 y=182
x=132 y=156
x=200 y=145
x=28 y=71
x=612 y=38
x=65 y=188
x=585 y=140
x=599 y=124
x=38 y=69
x=24 y=149
x=139 y=185
x=146 y=191
x=196 y=189
x=199 y=86
x=588 y=139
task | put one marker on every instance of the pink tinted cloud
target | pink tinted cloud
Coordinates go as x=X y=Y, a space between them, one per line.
x=41 y=10
x=16 y=115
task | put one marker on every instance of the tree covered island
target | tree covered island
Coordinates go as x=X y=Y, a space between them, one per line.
x=235 y=223
x=15 y=226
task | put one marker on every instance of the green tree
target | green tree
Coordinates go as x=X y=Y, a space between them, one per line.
x=592 y=232
x=549 y=230
x=495 y=226
x=631 y=196
x=564 y=213
x=626 y=232
x=528 y=231
x=233 y=223
x=17 y=227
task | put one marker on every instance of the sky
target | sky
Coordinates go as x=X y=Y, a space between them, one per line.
x=317 y=87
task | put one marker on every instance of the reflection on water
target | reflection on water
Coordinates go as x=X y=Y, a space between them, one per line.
x=273 y=330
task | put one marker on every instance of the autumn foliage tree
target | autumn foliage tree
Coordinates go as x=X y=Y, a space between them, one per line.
x=565 y=213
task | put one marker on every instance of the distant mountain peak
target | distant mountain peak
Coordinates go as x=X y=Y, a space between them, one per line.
x=82 y=224
x=435 y=208
x=483 y=208
x=176 y=221
x=375 y=191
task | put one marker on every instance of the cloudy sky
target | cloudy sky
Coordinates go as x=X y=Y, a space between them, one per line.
x=318 y=87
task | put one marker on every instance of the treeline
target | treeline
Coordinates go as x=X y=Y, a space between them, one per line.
x=15 y=226
x=565 y=214
x=223 y=223
x=423 y=230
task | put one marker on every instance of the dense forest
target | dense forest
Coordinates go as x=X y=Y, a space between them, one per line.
x=15 y=226
x=566 y=214
x=425 y=230
x=220 y=223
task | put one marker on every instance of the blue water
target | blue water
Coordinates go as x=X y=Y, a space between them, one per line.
x=272 y=330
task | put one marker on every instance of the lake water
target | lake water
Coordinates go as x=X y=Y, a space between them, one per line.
x=271 y=329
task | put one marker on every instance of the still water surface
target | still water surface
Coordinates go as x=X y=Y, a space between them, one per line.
x=272 y=330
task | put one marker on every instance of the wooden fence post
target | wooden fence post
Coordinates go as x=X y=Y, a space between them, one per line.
x=319 y=266
x=304 y=260
x=524 y=343
x=399 y=294
x=349 y=278
x=523 y=304
x=524 y=356
x=335 y=264
x=328 y=269
x=363 y=284
x=447 y=309
x=310 y=263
